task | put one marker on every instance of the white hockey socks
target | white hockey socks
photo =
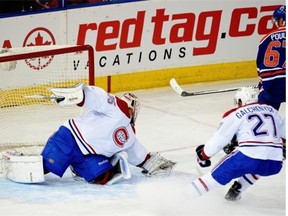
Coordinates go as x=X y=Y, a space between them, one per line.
x=247 y=181
x=202 y=185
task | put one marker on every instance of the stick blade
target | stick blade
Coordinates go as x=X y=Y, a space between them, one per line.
x=175 y=86
x=37 y=96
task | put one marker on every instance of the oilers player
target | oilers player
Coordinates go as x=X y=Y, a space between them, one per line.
x=259 y=129
x=271 y=62
x=99 y=144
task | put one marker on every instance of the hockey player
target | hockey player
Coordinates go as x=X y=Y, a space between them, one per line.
x=271 y=62
x=259 y=130
x=99 y=144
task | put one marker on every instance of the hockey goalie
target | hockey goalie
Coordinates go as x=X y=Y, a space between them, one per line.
x=98 y=146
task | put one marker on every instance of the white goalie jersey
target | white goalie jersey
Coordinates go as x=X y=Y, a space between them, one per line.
x=105 y=128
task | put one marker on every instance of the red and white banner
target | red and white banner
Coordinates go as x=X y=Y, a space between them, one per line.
x=144 y=36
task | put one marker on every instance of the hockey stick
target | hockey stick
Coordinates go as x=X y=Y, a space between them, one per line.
x=40 y=96
x=176 y=149
x=183 y=93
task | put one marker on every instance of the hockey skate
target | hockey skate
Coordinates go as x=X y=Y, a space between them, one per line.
x=75 y=175
x=234 y=192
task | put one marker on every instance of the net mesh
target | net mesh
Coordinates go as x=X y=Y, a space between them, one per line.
x=27 y=121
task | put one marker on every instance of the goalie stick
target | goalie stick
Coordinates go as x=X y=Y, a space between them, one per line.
x=40 y=96
x=183 y=93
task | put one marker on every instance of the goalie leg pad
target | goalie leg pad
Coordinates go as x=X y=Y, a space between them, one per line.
x=157 y=164
x=23 y=168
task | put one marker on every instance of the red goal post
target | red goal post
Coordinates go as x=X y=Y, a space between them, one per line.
x=29 y=71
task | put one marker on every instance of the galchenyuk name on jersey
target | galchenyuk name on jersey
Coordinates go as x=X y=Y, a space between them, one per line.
x=252 y=109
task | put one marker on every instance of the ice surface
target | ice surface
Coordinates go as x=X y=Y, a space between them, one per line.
x=174 y=126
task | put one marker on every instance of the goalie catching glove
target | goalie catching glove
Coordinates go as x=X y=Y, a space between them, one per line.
x=68 y=96
x=156 y=164
x=203 y=162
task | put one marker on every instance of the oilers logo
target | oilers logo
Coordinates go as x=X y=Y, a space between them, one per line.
x=120 y=136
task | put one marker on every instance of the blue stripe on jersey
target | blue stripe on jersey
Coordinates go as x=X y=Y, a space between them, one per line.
x=257 y=145
x=79 y=138
x=260 y=144
x=248 y=180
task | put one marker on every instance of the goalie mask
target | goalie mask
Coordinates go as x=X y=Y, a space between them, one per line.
x=245 y=95
x=133 y=104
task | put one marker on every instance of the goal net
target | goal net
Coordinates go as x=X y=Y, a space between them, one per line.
x=30 y=71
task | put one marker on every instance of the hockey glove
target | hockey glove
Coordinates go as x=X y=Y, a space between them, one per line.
x=157 y=165
x=68 y=96
x=200 y=159
x=231 y=146
x=260 y=85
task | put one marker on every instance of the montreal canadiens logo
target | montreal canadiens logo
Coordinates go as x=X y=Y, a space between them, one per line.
x=120 y=136
x=39 y=37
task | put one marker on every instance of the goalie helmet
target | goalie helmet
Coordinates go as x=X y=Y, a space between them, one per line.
x=133 y=104
x=245 y=95
x=278 y=14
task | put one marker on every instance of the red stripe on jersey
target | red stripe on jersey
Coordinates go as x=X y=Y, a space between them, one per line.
x=123 y=107
x=280 y=29
x=257 y=142
x=272 y=73
x=255 y=177
x=229 y=112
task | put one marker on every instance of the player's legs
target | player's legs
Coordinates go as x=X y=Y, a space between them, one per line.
x=237 y=164
x=91 y=167
x=244 y=182
x=202 y=185
x=61 y=151
x=57 y=153
x=230 y=167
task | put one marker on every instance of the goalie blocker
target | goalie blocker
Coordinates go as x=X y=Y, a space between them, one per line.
x=68 y=96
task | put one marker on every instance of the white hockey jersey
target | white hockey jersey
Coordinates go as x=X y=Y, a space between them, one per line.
x=259 y=129
x=105 y=128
